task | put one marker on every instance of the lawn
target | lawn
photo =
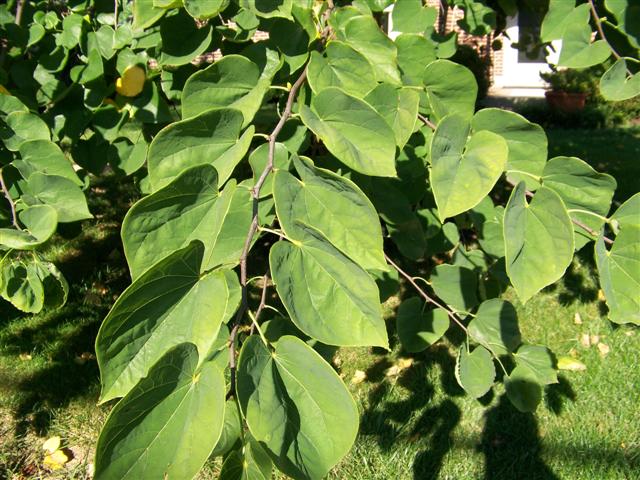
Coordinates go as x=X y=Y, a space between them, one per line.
x=416 y=421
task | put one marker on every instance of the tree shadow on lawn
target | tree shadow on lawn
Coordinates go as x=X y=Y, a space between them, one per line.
x=93 y=263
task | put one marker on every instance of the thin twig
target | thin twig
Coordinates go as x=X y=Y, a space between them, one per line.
x=253 y=228
x=263 y=300
x=19 y=9
x=12 y=205
x=578 y=223
x=598 y=23
x=115 y=14
x=427 y=122
x=232 y=360
x=424 y=294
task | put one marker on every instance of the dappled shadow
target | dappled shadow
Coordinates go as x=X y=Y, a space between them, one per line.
x=90 y=256
x=578 y=279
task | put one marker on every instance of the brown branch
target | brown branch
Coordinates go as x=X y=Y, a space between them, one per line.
x=427 y=122
x=578 y=223
x=19 y=9
x=253 y=228
x=12 y=205
x=263 y=301
x=424 y=294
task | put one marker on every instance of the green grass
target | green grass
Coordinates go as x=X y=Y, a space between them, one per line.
x=415 y=425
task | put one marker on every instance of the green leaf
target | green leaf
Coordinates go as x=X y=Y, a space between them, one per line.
x=479 y=19
x=19 y=127
x=334 y=206
x=399 y=107
x=527 y=143
x=40 y=222
x=296 y=406
x=145 y=14
x=21 y=285
x=188 y=209
x=627 y=213
x=327 y=295
x=169 y=422
x=170 y=303
x=538 y=240
x=411 y=16
x=495 y=326
x=231 y=429
x=475 y=371
x=627 y=15
x=182 y=39
x=418 y=328
x=523 y=389
x=403 y=224
x=464 y=169
x=343 y=67
x=540 y=361
x=558 y=16
x=363 y=34
x=204 y=9
x=586 y=193
x=46 y=157
x=616 y=85
x=56 y=288
x=415 y=52
x=619 y=272
x=36 y=33
x=208 y=138
x=352 y=131
x=233 y=81
x=252 y=464
x=451 y=88
x=268 y=8
x=577 y=49
x=60 y=193
x=487 y=219
x=72 y=27
x=457 y=286
x=292 y=40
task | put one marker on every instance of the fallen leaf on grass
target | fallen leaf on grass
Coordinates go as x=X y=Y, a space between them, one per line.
x=51 y=444
x=577 y=319
x=585 y=340
x=56 y=460
x=604 y=349
x=571 y=364
x=25 y=357
x=358 y=377
x=402 y=364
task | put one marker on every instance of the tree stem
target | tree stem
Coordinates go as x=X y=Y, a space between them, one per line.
x=12 y=205
x=425 y=295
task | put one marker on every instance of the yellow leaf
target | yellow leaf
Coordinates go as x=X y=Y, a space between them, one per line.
x=4 y=91
x=604 y=349
x=132 y=81
x=51 y=445
x=577 y=319
x=56 y=460
x=585 y=340
x=571 y=364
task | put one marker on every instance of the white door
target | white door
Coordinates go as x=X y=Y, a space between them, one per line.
x=521 y=70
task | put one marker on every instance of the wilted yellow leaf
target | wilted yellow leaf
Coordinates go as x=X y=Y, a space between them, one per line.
x=56 y=460
x=595 y=339
x=604 y=349
x=51 y=444
x=571 y=364
x=132 y=81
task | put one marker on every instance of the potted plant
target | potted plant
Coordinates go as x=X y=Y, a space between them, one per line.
x=568 y=89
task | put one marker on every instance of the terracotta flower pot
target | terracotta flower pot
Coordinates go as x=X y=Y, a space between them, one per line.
x=566 y=102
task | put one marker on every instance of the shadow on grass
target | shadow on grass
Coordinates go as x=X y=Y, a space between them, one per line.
x=93 y=263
